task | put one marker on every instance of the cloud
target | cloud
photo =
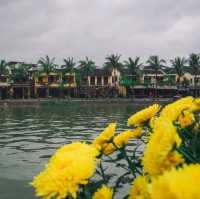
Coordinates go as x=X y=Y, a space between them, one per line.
x=94 y=28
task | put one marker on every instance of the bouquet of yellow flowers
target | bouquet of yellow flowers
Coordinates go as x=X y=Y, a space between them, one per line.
x=165 y=165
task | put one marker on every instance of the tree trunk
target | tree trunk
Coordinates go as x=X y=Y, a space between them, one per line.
x=29 y=92
x=178 y=83
x=22 y=92
x=115 y=78
x=133 y=92
x=156 y=93
x=47 y=91
x=195 y=86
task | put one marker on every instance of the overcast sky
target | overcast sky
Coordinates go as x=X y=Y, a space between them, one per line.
x=30 y=29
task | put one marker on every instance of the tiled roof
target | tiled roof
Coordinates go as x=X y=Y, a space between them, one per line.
x=172 y=70
x=17 y=62
x=101 y=72
x=127 y=72
x=151 y=70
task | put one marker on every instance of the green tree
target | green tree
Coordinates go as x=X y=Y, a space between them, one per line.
x=3 y=72
x=47 y=66
x=194 y=63
x=3 y=68
x=179 y=63
x=77 y=76
x=19 y=73
x=69 y=65
x=113 y=62
x=134 y=67
x=156 y=63
x=86 y=66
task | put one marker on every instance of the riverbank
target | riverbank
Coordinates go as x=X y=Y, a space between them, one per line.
x=89 y=101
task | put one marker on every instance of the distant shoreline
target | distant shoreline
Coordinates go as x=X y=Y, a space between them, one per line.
x=89 y=101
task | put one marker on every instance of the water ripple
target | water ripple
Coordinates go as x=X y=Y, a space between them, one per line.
x=28 y=136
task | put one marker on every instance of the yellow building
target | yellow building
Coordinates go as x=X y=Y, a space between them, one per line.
x=4 y=86
x=69 y=80
x=102 y=78
x=53 y=83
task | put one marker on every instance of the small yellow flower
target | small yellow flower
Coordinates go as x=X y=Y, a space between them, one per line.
x=101 y=141
x=103 y=193
x=137 y=132
x=139 y=189
x=122 y=139
x=186 y=119
x=143 y=115
x=182 y=183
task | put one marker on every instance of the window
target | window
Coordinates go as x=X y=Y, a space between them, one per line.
x=98 y=80
x=92 y=80
x=3 y=79
x=105 y=80
x=113 y=80
x=51 y=79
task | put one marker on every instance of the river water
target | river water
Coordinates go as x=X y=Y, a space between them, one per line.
x=29 y=135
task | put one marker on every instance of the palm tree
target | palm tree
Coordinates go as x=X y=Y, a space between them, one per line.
x=3 y=68
x=179 y=63
x=19 y=73
x=69 y=65
x=86 y=66
x=3 y=72
x=156 y=64
x=133 y=66
x=47 y=65
x=194 y=64
x=112 y=62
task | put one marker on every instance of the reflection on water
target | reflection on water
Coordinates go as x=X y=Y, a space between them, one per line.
x=28 y=136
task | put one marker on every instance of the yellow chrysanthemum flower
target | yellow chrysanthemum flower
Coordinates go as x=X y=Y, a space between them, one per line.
x=158 y=155
x=177 y=184
x=103 y=193
x=122 y=139
x=139 y=189
x=137 y=132
x=186 y=119
x=71 y=166
x=173 y=110
x=101 y=141
x=143 y=115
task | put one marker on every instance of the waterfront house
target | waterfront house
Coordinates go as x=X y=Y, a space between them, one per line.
x=144 y=85
x=21 y=79
x=26 y=81
x=100 y=82
x=149 y=76
x=54 y=84
x=4 y=86
x=69 y=84
x=47 y=84
x=101 y=77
